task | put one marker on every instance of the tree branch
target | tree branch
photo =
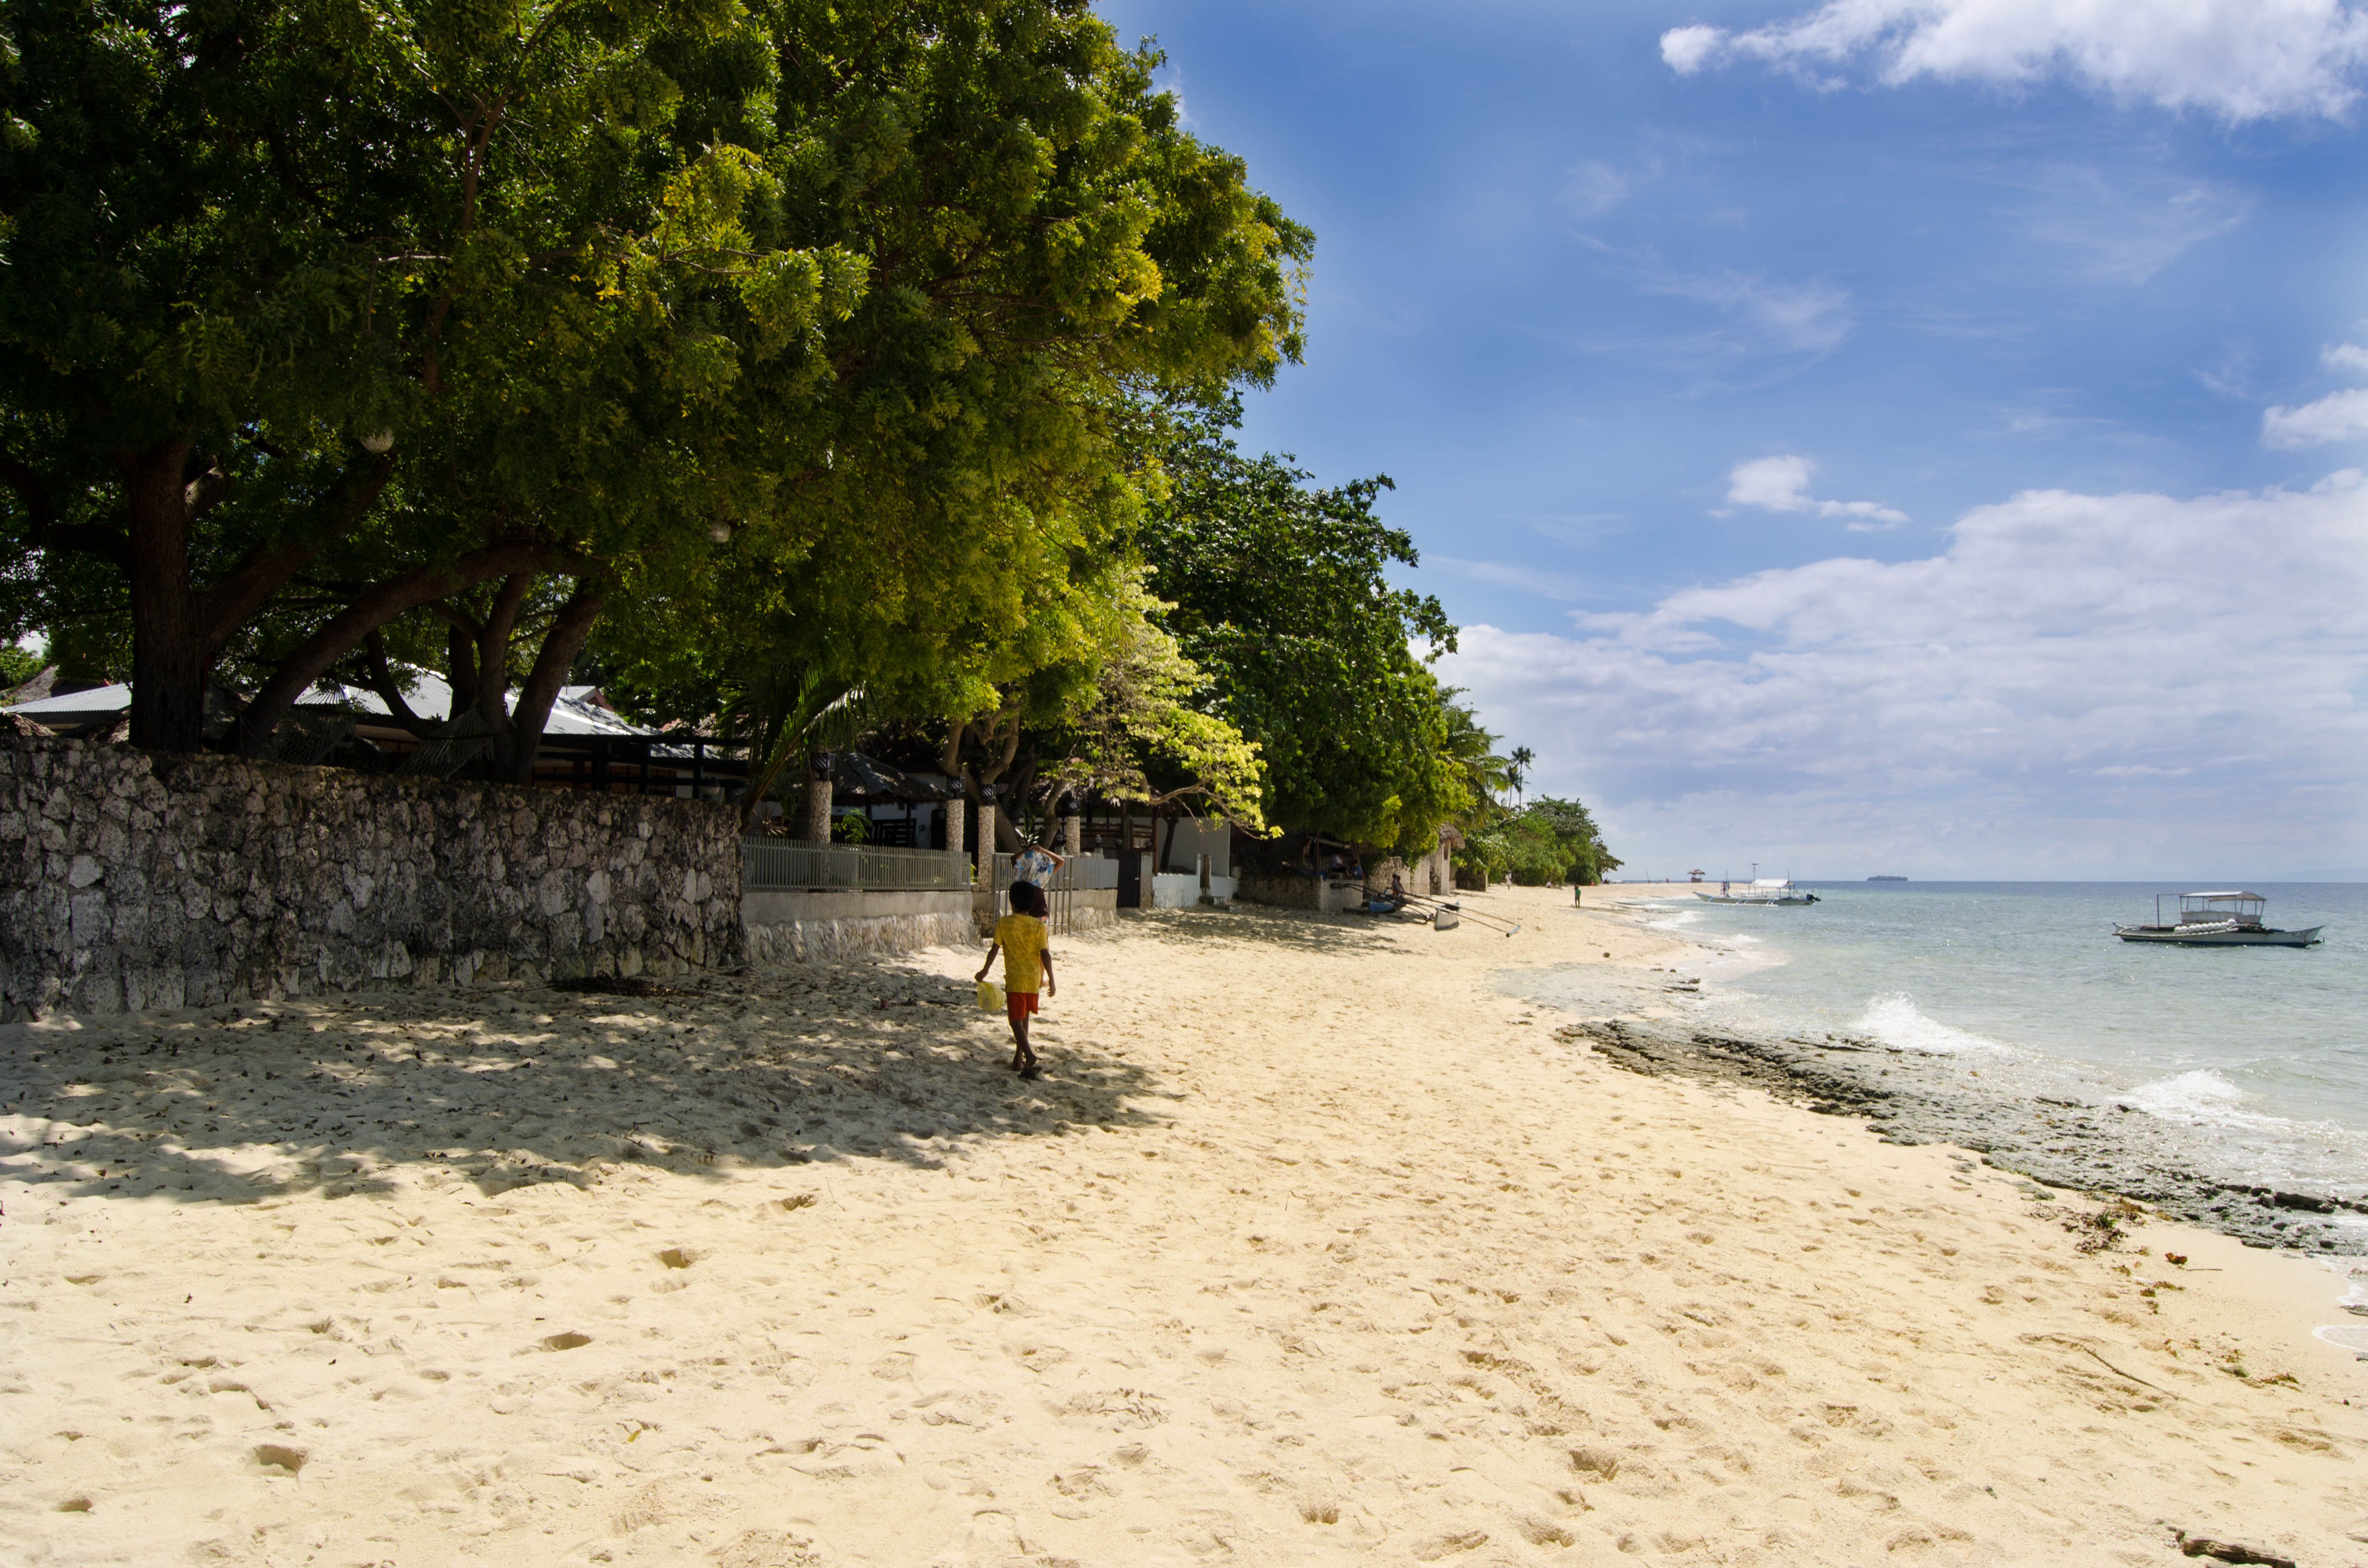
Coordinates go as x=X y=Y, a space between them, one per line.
x=569 y=630
x=232 y=602
x=46 y=533
x=494 y=650
x=390 y=691
x=343 y=634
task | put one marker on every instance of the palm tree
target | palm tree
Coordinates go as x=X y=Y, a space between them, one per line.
x=1469 y=750
x=1522 y=758
x=786 y=712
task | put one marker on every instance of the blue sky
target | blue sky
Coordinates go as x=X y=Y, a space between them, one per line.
x=1893 y=435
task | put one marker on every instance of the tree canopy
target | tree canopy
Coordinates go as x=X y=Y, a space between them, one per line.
x=1280 y=592
x=799 y=365
x=317 y=318
x=1545 y=842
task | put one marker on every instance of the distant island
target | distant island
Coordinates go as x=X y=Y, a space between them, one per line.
x=1887 y=879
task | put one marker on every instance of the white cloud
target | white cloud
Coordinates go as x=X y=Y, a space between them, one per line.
x=1781 y=485
x=2241 y=59
x=2232 y=375
x=2079 y=686
x=2333 y=418
x=2338 y=416
x=2127 y=226
x=1777 y=483
x=1774 y=316
x=1170 y=79
x=1687 y=49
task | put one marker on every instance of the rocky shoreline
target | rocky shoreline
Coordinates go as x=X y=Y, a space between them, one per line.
x=2086 y=1146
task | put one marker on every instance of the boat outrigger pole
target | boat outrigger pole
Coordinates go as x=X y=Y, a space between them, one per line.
x=1437 y=905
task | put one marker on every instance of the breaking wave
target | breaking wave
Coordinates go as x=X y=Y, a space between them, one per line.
x=1894 y=1021
x=2199 y=1095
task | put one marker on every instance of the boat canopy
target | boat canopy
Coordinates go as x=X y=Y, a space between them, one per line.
x=2225 y=908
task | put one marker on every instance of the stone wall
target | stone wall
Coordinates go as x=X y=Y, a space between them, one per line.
x=789 y=926
x=1300 y=892
x=130 y=879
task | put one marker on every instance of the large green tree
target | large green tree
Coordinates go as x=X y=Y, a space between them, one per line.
x=1047 y=254
x=248 y=246
x=559 y=298
x=1281 y=593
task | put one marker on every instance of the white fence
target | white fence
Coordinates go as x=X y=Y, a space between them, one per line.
x=787 y=864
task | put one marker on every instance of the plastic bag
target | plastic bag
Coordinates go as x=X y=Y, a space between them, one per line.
x=990 y=996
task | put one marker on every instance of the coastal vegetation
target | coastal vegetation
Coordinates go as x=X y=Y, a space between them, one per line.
x=760 y=362
x=1540 y=842
x=1279 y=591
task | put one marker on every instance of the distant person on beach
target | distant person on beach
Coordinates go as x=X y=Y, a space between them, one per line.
x=1019 y=937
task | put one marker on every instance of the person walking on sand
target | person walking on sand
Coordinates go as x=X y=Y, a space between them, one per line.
x=1019 y=937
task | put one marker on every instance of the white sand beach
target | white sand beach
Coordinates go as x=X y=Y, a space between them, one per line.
x=1312 y=1247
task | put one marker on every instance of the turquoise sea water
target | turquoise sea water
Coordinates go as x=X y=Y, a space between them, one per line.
x=2255 y=1058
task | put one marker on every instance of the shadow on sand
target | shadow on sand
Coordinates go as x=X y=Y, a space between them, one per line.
x=1289 y=929
x=505 y=1087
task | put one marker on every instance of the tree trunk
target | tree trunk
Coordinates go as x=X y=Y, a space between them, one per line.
x=518 y=738
x=178 y=629
x=168 y=662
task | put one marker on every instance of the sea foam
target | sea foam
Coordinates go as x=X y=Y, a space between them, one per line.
x=2201 y=1095
x=1893 y=1021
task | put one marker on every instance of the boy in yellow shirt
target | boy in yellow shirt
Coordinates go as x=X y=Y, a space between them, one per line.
x=1019 y=937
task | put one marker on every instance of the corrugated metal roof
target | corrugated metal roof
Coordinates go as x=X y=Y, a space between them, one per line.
x=576 y=711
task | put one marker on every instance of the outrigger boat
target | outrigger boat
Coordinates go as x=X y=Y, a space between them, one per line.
x=2217 y=920
x=1444 y=915
x=1759 y=890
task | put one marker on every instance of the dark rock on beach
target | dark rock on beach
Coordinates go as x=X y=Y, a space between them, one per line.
x=2058 y=1142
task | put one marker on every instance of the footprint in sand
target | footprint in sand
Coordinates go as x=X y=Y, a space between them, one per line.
x=275 y=1456
x=767 y=1549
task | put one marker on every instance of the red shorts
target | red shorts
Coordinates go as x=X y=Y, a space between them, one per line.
x=1020 y=1003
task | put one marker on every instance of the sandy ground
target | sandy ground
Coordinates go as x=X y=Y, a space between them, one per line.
x=1312 y=1246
